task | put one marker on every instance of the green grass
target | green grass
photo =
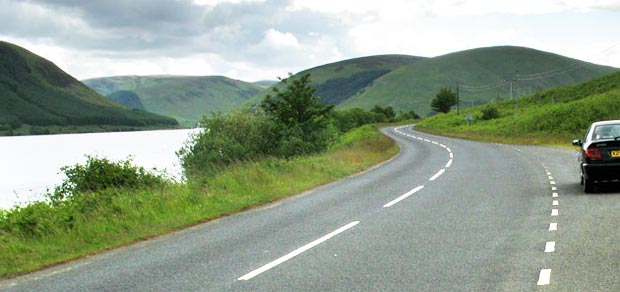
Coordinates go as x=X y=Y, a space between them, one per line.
x=117 y=217
x=552 y=117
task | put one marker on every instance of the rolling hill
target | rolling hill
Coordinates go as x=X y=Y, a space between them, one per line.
x=483 y=75
x=185 y=98
x=336 y=82
x=35 y=92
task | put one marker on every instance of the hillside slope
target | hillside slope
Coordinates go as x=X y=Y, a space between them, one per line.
x=484 y=74
x=185 y=98
x=336 y=82
x=36 y=92
x=558 y=114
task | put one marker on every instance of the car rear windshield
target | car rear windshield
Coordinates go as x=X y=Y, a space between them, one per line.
x=606 y=132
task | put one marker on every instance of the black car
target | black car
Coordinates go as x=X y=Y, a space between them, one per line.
x=599 y=158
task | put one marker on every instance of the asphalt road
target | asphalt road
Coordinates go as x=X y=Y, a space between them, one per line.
x=444 y=215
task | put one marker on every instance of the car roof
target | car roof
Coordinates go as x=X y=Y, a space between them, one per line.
x=610 y=122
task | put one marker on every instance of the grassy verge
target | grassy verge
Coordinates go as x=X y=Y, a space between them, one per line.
x=526 y=139
x=118 y=217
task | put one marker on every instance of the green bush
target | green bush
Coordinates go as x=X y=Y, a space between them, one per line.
x=240 y=135
x=490 y=112
x=100 y=174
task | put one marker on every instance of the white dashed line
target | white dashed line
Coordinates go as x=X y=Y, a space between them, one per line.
x=553 y=226
x=554 y=212
x=545 y=277
x=402 y=197
x=552 y=182
x=296 y=252
x=550 y=246
x=556 y=202
x=555 y=195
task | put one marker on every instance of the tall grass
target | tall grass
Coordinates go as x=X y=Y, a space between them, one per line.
x=552 y=117
x=44 y=234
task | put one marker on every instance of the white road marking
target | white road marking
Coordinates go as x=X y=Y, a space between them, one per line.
x=439 y=173
x=403 y=196
x=443 y=146
x=555 y=195
x=554 y=188
x=556 y=202
x=451 y=155
x=554 y=212
x=435 y=143
x=552 y=182
x=545 y=277
x=449 y=150
x=550 y=177
x=449 y=163
x=553 y=226
x=427 y=140
x=550 y=246
x=296 y=252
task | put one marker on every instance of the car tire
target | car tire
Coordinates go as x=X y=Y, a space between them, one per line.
x=588 y=185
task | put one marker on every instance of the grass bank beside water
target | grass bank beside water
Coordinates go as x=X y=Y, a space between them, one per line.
x=42 y=234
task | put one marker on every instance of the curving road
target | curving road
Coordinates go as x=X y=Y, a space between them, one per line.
x=444 y=215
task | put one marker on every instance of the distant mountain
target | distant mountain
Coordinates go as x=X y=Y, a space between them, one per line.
x=185 y=98
x=483 y=75
x=336 y=82
x=35 y=92
x=266 y=83
x=128 y=98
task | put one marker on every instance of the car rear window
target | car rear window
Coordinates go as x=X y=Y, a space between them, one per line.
x=606 y=132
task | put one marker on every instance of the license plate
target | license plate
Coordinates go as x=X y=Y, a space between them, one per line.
x=615 y=153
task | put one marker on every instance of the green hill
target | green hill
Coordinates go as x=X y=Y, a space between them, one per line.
x=127 y=98
x=336 y=82
x=35 y=92
x=484 y=75
x=185 y=98
x=557 y=114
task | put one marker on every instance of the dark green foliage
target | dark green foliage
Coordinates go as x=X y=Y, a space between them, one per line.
x=355 y=117
x=490 y=112
x=336 y=90
x=387 y=113
x=127 y=98
x=444 y=100
x=303 y=122
x=99 y=174
x=240 y=135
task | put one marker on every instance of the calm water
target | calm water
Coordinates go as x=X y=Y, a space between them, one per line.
x=31 y=164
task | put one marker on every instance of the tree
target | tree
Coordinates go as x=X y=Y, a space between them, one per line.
x=304 y=122
x=444 y=100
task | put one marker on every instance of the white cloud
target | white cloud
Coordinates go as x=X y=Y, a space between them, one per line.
x=279 y=40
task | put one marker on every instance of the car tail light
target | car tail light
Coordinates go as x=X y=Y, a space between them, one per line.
x=594 y=153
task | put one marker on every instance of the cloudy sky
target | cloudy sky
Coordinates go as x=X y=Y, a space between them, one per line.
x=262 y=40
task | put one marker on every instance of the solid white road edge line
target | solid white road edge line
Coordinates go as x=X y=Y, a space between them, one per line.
x=403 y=196
x=545 y=277
x=440 y=172
x=296 y=252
